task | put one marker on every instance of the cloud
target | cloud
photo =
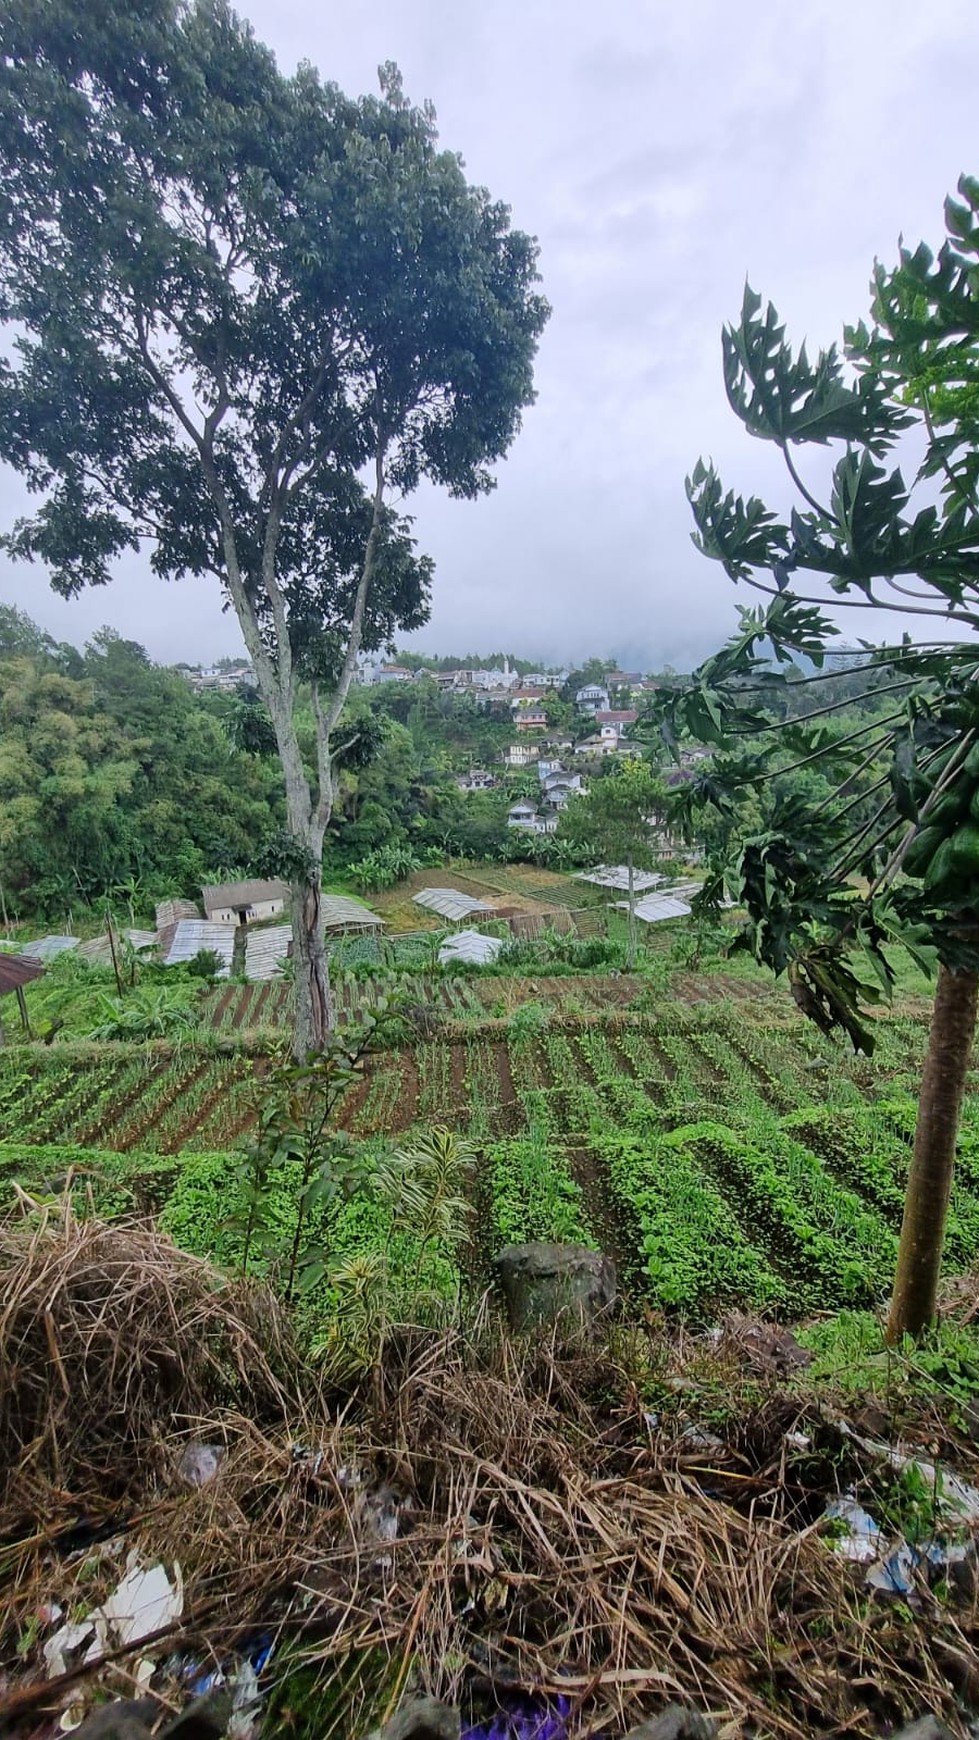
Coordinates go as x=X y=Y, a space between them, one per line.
x=661 y=154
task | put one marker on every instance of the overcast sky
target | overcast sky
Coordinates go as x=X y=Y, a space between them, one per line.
x=661 y=153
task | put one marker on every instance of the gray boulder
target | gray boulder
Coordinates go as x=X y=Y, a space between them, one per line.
x=421 y=1719
x=925 y=1728
x=675 y=1723
x=546 y=1284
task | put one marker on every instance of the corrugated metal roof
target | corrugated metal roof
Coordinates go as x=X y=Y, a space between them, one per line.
x=449 y=903
x=617 y=876
x=185 y=939
x=342 y=912
x=654 y=907
x=265 y=950
x=170 y=911
x=224 y=894
x=47 y=947
x=18 y=970
x=99 y=950
x=471 y=946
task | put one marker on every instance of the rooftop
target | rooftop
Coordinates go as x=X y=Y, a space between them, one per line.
x=235 y=894
x=449 y=903
x=471 y=946
x=343 y=912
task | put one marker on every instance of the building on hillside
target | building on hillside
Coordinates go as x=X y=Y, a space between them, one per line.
x=592 y=698
x=607 y=741
x=623 y=679
x=559 y=787
x=244 y=902
x=528 y=695
x=521 y=754
x=530 y=719
x=392 y=674
x=224 y=681
x=477 y=779
x=619 y=720
x=526 y=815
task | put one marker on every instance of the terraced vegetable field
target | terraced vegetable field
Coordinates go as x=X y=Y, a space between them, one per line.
x=718 y=1157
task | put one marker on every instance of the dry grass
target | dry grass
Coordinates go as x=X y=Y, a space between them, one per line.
x=546 y=1535
x=110 y=1337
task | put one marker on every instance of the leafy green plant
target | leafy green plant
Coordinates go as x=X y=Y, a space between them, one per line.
x=148 y=1012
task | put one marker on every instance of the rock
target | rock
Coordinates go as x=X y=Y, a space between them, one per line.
x=199 y=1463
x=547 y=1284
x=421 y=1719
x=675 y=1723
x=963 y=1571
x=125 y=1719
x=205 y=1719
x=926 y=1728
x=133 y=1718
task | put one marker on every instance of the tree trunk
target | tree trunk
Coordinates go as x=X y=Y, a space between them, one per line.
x=953 y=1026
x=631 y=952
x=313 y=1002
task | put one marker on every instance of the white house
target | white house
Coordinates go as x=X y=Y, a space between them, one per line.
x=521 y=754
x=524 y=815
x=617 y=721
x=244 y=902
x=593 y=698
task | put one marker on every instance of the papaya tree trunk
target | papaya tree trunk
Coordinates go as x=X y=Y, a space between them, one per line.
x=953 y=1027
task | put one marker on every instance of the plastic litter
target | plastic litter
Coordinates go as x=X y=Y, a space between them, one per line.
x=525 y=1719
x=65 y=1642
x=953 y=1496
x=862 y=1541
x=143 y=1603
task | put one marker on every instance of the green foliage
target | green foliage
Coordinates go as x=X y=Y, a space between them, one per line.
x=898 y=782
x=383 y=868
x=148 y=1012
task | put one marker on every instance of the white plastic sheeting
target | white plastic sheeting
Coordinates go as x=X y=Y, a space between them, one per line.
x=470 y=946
x=617 y=876
x=654 y=907
x=449 y=903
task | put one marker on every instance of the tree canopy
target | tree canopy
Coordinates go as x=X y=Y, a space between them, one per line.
x=247 y=311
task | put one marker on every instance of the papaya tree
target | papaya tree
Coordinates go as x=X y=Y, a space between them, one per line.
x=247 y=314
x=892 y=854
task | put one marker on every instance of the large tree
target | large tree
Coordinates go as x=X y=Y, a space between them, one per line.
x=247 y=314
x=617 y=821
x=825 y=885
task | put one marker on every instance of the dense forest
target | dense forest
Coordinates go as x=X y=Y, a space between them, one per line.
x=119 y=780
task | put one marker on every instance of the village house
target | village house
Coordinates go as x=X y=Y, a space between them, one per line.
x=244 y=902
x=392 y=674
x=530 y=719
x=617 y=721
x=524 y=815
x=527 y=696
x=521 y=754
x=477 y=779
x=592 y=698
